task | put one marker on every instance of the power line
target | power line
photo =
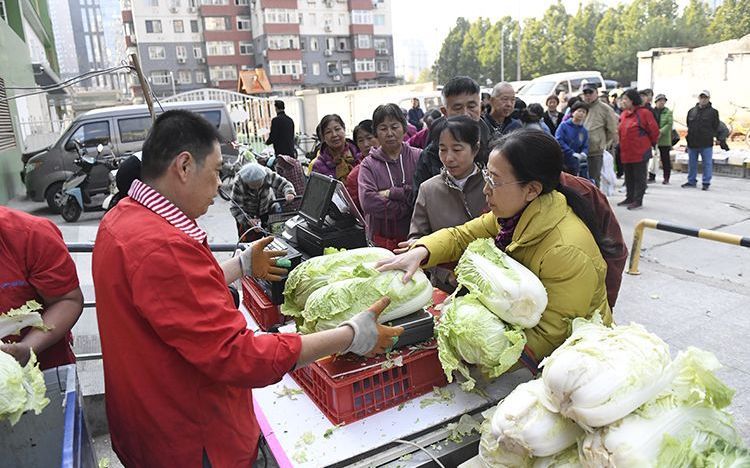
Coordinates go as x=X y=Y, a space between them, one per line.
x=75 y=78
x=67 y=83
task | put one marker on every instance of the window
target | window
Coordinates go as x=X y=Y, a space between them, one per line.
x=285 y=67
x=243 y=23
x=92 y=133
x=213 y=117
x=153 y=3
x=342 y=19
x=215 y=2
x=223 y=72
x=153 y=26
x=134 y=129
x=283 y=42
x=362 y=17
x=311 y=18
x=302 y=44
x=181 y=52
x=277 y=15
x=246 y=48
x=4 y=16
x=241 y=2
x=363 y=41
x=197 y=52
x=346 y=67
x=184 y=77
x=313 y=43
x=7 y=136
x=330 y=43
x=382 y=66
x=200 y=77
x=179 y=26
x=160 y=77
x=194 y=26
x=216 y=23
x=214 y=48
x=379 y=20
x=380 y=44
x=365 y=65
x=332 y=68
x=316 y=68
x=343 y=43
x=156 y=53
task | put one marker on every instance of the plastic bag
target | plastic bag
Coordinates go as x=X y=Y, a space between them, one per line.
x=608 y=177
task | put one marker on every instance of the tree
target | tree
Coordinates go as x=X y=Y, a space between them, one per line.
x=731 y=20
x=581 y=38
x=446 y=65
x=543 y=41
x=608 y=54
x=425 y=76
x=693 y=25
x=468 y=62
x=501 y=35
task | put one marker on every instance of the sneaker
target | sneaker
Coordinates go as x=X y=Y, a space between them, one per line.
x=635 y=205
x=705 y=187
x=688 y=185
x=625 y=202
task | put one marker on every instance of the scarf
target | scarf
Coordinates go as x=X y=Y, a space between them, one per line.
x=507 y=227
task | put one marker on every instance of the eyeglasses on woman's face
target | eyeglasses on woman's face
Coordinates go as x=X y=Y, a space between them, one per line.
x=495 y=185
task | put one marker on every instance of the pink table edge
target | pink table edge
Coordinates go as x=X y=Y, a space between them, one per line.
x=271 y=440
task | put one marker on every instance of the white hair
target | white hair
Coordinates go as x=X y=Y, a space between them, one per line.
x=499 y=88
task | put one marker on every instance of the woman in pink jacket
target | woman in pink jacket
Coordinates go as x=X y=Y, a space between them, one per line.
x=385 y=179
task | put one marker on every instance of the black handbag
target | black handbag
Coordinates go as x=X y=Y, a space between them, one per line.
x=675 y=137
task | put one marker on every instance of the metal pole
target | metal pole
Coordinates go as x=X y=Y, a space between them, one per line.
x=518 y=55
x=502 y=54
x=145 y=88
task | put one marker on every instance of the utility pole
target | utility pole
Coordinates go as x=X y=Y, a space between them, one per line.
x=518 y=56
x=145 y=88
x=502 y=54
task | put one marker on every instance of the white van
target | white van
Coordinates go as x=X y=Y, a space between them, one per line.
x=427 y=100
x=563 y=85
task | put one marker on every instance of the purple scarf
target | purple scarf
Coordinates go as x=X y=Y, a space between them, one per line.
x=507 y=226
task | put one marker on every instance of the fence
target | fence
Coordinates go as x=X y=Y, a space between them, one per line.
x=38 y=133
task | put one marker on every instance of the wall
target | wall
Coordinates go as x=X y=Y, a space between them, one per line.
x=681 y=74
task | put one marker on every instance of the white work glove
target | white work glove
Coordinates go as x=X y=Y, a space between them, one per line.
x=370 y=337
x=583 y=157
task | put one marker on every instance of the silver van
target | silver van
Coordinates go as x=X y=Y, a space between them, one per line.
x=562 y=85
x=122 y=129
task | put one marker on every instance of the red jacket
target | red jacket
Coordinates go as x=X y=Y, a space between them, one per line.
x=352 y=186
x=638 y=132
x=178 y=360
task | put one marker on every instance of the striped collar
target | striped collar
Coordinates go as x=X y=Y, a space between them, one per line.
x=156 y=202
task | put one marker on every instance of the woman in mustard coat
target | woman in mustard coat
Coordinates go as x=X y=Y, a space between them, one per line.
x=542 y=225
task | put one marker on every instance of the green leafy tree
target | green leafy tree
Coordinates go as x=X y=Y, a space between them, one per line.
x=731 y=20
x=542 y=42
x=580 y=43
x=693 y=25
x=424 y=76
x=451 y=51
x=609 y=37
x=468 y=62
x=500 y=36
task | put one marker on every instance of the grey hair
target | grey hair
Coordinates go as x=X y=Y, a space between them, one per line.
x=499 y=88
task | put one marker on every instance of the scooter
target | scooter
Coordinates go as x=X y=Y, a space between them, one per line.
x=76 y=198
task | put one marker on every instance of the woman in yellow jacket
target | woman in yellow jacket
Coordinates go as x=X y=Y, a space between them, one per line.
x=542 y=225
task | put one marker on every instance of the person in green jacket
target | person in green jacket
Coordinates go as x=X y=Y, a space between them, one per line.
x=664 y=119
x=541 y=224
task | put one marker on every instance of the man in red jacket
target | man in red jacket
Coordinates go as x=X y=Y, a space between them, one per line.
x=179 y=361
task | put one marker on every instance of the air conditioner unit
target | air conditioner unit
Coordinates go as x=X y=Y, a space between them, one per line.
x=336 y=77
x=295 y=77
x=191 y=9
x=328 y=52
x=180 y=60
x=382 y=51
x=327 y=28
x=173 y=9
x=200 y=60
x=328 y=3
x=265 y=53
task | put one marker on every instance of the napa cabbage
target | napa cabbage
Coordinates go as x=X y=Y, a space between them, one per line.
x=15 y=320
x=21 y=388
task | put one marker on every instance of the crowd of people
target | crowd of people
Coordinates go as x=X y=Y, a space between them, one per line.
x=177 y=354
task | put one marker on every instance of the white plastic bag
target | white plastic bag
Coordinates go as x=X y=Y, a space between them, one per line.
x=608 y=178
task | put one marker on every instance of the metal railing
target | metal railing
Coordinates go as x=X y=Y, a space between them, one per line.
x=635 y=251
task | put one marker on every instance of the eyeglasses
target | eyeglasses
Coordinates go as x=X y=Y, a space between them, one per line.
x=494 y=185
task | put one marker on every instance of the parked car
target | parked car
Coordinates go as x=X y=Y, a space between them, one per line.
x=611 y=85
x=123 y=129
x=563 y=85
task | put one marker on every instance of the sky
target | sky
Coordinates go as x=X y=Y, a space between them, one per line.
x=430 y=20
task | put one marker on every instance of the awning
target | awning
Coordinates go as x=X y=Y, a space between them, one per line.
x=44 y=77
x=253 y=81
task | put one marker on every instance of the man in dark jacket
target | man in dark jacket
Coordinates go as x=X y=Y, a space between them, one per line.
x=460 y=97
x=415 y=114
x=502 y=105
x=702 y=123
x=282 y=132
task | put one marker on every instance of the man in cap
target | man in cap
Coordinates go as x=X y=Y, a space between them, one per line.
x=702 y=123
x=664 y=120
x=253 y=194
x=601 y=123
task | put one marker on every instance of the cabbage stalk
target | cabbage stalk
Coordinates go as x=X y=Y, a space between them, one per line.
x=21 y=388
x=468 y=333
x=568 y=458
x=602 y=374
x=336 y=302
x=523 y=425
x=15 y=320
x=317 y=272
x=503 y=285
x=680 y=426
x=492 y=454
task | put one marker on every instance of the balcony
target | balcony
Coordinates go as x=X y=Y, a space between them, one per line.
x=130 y=41
x=382 y=52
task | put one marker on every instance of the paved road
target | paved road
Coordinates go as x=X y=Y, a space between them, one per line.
x=691 y=292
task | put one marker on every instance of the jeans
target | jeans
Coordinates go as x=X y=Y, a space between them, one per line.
x=706 y=155
x=635 y=181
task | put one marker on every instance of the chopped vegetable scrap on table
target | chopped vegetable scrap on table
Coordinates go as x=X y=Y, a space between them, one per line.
x=440 y=395
x=288 y=392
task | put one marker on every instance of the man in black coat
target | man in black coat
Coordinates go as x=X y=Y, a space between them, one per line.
x=282 y=132
x=702 y=123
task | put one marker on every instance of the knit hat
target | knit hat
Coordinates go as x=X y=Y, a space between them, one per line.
x=253 y=175
x=659 y=97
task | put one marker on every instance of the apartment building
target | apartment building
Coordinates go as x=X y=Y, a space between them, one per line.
x=326 y=44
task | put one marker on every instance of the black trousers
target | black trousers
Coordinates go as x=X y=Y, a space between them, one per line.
x=666 y=163
x=635 y=180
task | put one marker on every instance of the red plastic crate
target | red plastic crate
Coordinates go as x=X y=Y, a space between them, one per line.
x=265 y=314
x=349 y=388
